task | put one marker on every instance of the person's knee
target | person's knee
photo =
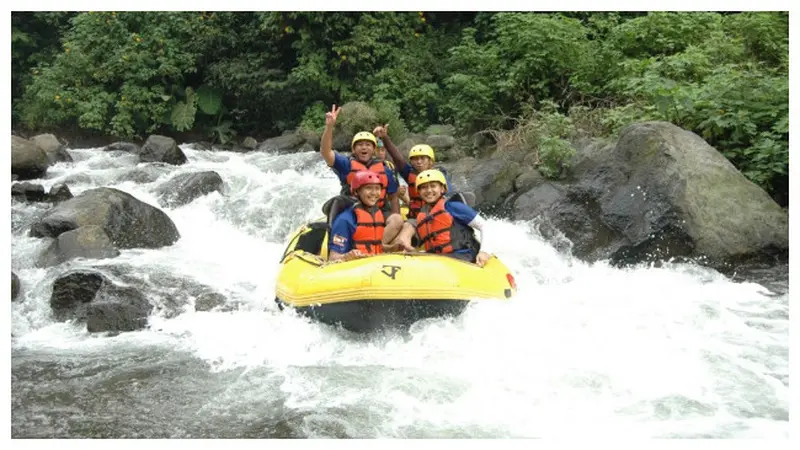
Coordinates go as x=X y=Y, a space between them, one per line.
x=394 y=224
x=394 y=220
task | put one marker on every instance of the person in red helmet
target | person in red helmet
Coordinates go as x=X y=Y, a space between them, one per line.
x=358 y=231
x=362 y=157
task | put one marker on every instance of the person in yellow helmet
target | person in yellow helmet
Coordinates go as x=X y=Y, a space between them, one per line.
x=421 y=156
x=445 y=225
x=363 y=146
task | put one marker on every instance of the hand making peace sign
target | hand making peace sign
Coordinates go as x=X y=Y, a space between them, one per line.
x=330 y=117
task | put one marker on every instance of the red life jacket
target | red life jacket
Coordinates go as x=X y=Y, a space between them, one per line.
x=441 y=233
x=368 y=234
x=373 y=165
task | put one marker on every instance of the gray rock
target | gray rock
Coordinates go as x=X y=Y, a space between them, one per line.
x=74 y=289
x=123 y=147
x=287 y=143
x=16 y=286
x=129 y=222
x=660 y=192
x=55 y=150
x=679 y=185
x=29 y=192
x=59 y=192
x=250 y=143
x=89 y=242
x=28 y=160
x=208 y=301
x=90 y=296
x=440 y=142
x=186 y=187
x=162 y=149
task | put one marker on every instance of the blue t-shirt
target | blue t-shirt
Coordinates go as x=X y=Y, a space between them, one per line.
x=462 y=214
x=406 y=172
x=341 y=166
x=342 y=229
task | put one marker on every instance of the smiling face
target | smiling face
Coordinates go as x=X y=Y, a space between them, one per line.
x=363 y=151
x=421 y=163
x=431 y=192
x=369 y=194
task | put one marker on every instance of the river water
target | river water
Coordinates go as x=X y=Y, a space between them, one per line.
x=675 y=350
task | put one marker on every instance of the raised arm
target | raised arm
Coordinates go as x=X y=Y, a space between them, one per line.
x=383 y=133
x=326 y=143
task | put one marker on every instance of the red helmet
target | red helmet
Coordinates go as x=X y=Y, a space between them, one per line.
x=363 y=177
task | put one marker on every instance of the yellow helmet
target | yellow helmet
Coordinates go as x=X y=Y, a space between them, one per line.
x=422 y=150
x=364 y=136
x=431 y=175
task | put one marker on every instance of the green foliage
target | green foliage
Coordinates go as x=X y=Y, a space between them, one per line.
x=721 y=75
x=529 y=57
x=716 y=82
x=663 y=33
x=209 y=100
x=182 y=117
x=314 y=118
x=34 y=40
x=764 y=35
x=119 y=73
x=360 y=116
x=547 y=133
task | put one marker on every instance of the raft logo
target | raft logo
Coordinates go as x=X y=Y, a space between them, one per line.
x=392 y=273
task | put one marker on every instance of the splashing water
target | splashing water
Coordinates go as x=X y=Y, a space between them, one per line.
x=677 y=350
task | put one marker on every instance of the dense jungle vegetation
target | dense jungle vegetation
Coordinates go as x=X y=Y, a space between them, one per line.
x=535 y=79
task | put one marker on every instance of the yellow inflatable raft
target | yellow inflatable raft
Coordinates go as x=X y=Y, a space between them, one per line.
x=387 y=290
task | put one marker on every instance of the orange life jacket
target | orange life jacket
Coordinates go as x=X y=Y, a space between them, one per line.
x=415 y=200
x=373 y=165
x=368 y=234
x=441 y=233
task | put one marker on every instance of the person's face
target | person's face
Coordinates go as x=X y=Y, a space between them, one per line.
x=364 y=150
x=369 y=194
x=420 y=163
x=431 y=192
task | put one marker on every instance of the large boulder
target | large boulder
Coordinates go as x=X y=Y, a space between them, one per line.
x=492 y=180
x=90 y=296
x=186 y=187
x=28 y=160
x=162 y=149
x=561 y=209
x=55 y=150
x=89 y=242
x=660 y=192
x=127 y=221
